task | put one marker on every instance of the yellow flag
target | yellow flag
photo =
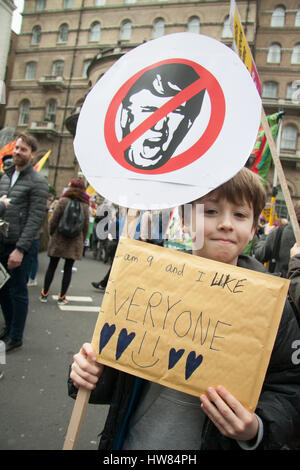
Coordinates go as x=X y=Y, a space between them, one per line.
x=91 y=191
x=39 y=165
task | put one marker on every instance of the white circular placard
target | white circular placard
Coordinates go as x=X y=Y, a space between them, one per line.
x=171 y=120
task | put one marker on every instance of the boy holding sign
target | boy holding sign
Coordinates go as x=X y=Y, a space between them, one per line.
x=146 y=415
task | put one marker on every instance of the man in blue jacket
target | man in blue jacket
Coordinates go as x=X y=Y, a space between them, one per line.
x=28 y=193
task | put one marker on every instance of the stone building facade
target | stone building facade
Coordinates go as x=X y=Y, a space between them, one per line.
x=277 y=55
x=66 y=45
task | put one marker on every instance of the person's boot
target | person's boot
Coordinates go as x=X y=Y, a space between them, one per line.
x=98 y=286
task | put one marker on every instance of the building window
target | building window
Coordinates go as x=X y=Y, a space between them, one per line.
x=100 y=3
x=226 y=33
x=293 y=91
x=130 y=1
x=194 y=25
x=278 y=17
x=158 y=28
x=289 y=137
x=36 y=35
x=297 y=19
x=58 y=68
x=289 y=91
x=95 y=31
x=24 y=113
x=86 y=65
x=274 y=54
x=125 y=31
x=63 y=33
x=30 y=71
x=295 y=59
x=68 y=4
x=40 y=5
x=51 y=111
x=270 y=90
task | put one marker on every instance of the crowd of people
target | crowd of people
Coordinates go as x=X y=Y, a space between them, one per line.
x=144 y=415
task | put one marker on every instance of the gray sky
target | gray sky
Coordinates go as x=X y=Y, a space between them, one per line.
x=17 y=18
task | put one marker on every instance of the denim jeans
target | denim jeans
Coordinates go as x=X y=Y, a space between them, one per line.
x=14 y=294
x=33 y=264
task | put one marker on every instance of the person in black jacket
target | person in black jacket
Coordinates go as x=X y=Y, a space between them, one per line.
x=4 y=203
x=144 y=415
x=264 y=248
x=294 y=276
x=28 y=191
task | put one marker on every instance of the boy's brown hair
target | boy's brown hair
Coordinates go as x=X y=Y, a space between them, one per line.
x=245 y=186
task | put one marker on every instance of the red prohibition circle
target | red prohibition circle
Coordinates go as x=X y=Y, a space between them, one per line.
x=217 y=116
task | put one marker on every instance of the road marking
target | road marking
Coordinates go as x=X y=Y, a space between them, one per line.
x=75 y=298
x=78 y=308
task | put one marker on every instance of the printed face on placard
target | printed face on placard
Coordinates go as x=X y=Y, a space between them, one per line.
x=153 y=115
x=153 y=90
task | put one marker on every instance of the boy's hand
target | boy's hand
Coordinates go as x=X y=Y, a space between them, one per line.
x=85 y=370
x=228 y=415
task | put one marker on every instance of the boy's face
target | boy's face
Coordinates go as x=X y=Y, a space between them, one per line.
x=228 y=228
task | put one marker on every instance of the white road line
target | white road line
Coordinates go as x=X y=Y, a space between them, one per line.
x=75 y=298
x=78 y=308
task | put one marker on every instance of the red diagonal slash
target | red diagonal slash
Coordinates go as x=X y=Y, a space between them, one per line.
x=206 y=81
x=160 y=113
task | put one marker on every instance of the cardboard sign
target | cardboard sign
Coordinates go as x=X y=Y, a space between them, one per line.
x=187 y=322
x=4 y=276
x=166 y=123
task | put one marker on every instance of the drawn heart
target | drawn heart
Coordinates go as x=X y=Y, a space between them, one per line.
x=105 y=335
x=124 y=341
x=192 y=363
x=174 y=357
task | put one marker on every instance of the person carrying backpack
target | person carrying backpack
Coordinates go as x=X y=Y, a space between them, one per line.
x=275 y=246
x=68 y=229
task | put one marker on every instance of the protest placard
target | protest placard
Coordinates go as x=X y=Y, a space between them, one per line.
x=168 y=122
x=4 y=276
x=187 y=322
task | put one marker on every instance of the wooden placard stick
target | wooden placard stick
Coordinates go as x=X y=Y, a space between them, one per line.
x=83 y=394
x=281 y=176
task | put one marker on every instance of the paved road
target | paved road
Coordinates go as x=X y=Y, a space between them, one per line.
x=34 y=406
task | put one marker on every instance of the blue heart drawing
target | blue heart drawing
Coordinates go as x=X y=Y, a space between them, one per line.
x=192 y=363
x=105 y=335
x=124 y=341
x=174 y=357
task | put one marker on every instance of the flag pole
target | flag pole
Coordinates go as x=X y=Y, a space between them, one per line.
x=281 y=176
x=83 y=395
x=275 y=177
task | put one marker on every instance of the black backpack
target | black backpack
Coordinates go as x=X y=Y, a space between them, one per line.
x=72 y=220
